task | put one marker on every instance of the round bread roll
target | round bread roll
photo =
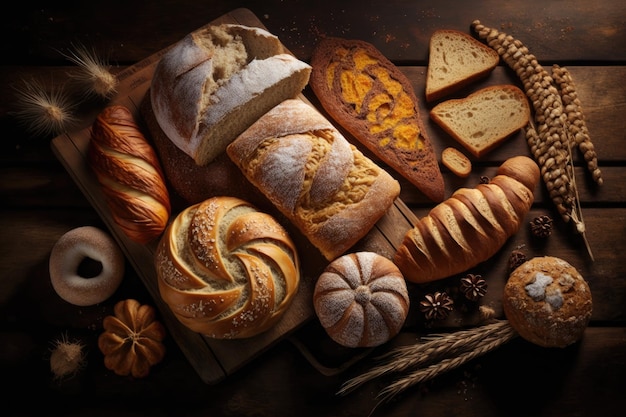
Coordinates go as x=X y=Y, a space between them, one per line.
x=361 y=299
x=227 y=270
x=547 y=302
x=86 y=242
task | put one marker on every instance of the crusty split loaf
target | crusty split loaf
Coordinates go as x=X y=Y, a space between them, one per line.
x=227 y=270
x=375 y=102
x=215 y=82
x=455 y=60
x=471 y=226
x=130 y=175
x=314 y=176
x=484 y=119
x=361 y=300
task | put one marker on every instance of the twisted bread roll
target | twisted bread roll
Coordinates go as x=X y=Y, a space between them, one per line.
x=470 y=226
x=130 y=175
x=325 y=186
x=227 y=270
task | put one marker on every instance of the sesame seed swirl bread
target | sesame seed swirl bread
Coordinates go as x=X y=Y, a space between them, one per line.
x=227 y=270
x=327 y=188
x=361 y=300
x=375 y=102
x=471 y=226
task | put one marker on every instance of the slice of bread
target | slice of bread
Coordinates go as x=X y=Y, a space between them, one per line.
x=484 y=119
x=455 y=60
x=456 y=162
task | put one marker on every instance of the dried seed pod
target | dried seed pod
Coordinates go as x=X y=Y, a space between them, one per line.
x=549 y=141
x=473 y=287
x=436 y=306
x=576 y=120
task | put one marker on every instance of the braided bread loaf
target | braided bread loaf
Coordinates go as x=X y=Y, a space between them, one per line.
x=227 y=270
x=130 y=175
x=471 y=226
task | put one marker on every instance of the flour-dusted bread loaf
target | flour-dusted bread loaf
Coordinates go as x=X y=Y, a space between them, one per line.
x=361 y=300
x=548 y=302
x=130 y=175
x=456 y=59
x=214 y=83
x=374 y=101
x=471 y=226
x=484 y=119
x=226 y=269
x=328 y=189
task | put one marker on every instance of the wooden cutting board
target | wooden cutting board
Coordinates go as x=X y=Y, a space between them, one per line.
x=212 y=359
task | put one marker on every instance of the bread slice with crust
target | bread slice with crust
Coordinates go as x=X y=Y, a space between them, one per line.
x=455 y=60
x=484 y=119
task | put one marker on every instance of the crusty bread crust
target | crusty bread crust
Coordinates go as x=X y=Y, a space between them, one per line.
x=214 y=83
x=361 y=300
x=470 y=226
x=226 y=269
x=547 y=302
x=325 y=186
x=380 y=111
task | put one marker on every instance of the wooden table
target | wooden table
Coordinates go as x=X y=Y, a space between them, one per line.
x=41 y=201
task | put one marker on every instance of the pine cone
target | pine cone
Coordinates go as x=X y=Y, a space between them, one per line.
x=436 y=306
x=473 y=287
x=541 y=226
x=516 y=258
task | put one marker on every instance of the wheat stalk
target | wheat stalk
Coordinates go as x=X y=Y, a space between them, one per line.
x=411 y=356
x=504 y=334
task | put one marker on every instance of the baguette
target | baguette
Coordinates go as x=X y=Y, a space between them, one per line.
x=375 y=102
x=325 y=186
x=471 y=226
x=455 y=60
x=130 y=175
x=484 y=119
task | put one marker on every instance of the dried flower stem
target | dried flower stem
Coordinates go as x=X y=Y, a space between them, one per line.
x=576 y=120
x=550 y=141
x=437 y=348
x=489 y=343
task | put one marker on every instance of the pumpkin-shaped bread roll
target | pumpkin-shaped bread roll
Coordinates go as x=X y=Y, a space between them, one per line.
x=361 y=300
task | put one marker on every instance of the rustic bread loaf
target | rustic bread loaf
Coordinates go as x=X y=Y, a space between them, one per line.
x=456 y=162
x=455 y=59
x=130 y=175
x=484 y=119
x=227 y=270
x=375 y=102
x=361 y=300
x=471 y=226
x=190 y=183
x=328 y=189
x=214 y=83
x=548 y=302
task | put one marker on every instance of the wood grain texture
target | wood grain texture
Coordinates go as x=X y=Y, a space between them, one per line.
x=41 y=201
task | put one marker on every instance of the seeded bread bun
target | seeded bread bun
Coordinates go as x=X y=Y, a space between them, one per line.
x=548 y=302
x=361 y=299
x=483 y=120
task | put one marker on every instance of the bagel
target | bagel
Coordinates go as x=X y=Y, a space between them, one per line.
x=86 y=242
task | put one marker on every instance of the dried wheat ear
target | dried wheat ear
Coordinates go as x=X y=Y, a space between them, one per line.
x=559 y=123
